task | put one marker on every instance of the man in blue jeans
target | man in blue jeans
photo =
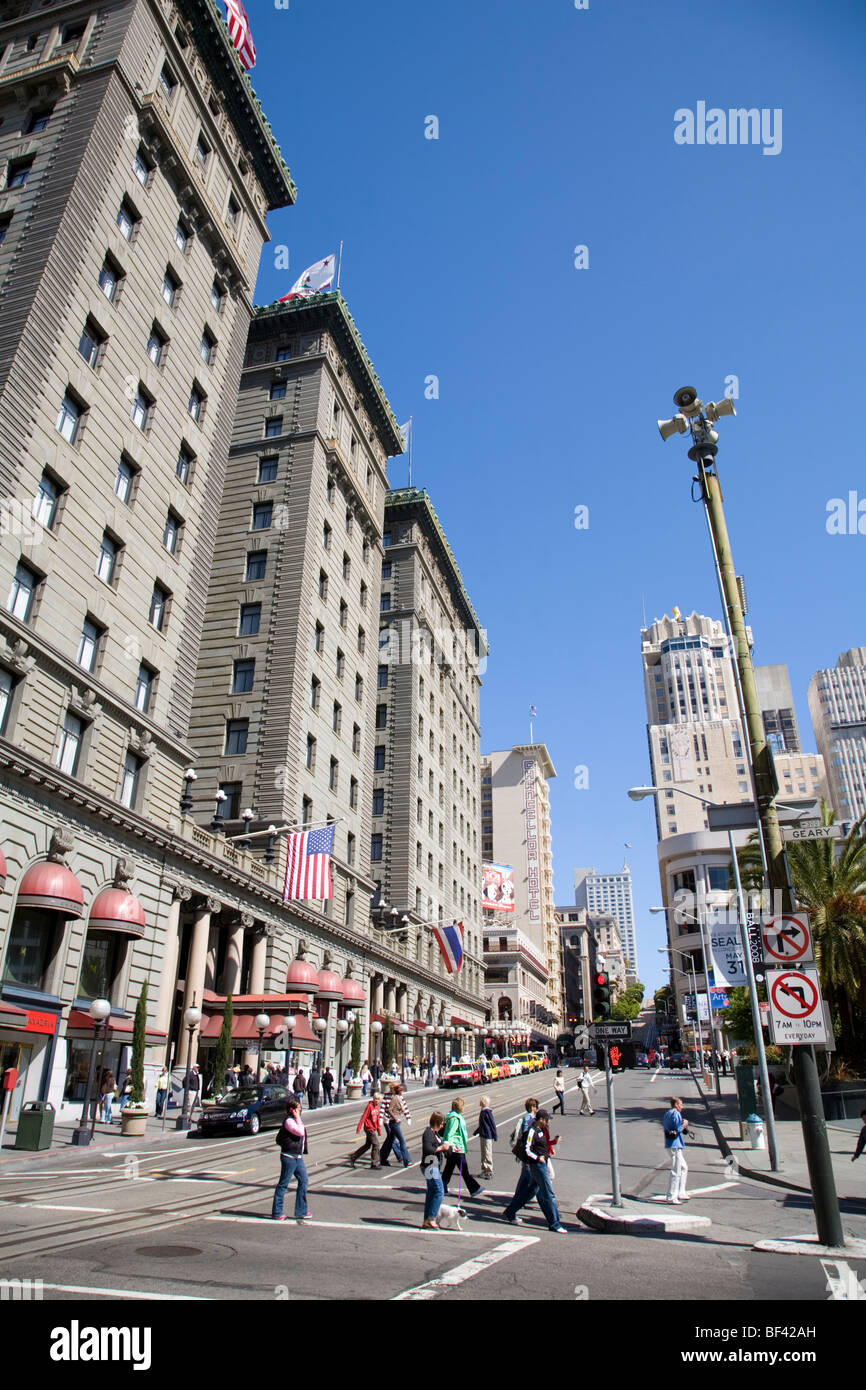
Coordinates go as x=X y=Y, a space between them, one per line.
x=525 y=1190
x=537 y=1155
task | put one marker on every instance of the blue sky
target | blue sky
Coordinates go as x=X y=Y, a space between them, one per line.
x=556 y=130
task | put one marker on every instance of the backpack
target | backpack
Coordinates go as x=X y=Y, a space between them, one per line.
x=517 y=1140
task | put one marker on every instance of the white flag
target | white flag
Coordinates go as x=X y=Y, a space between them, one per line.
x=405 y=431
x=315 y=278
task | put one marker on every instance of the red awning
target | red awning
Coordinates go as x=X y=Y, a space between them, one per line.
x=52 y=886
x=116 y=910
x=244 y=1028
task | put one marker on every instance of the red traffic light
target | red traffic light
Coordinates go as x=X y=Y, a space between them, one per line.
x=601 y=979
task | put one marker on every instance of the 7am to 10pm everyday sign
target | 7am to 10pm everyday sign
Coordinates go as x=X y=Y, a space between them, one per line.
x=796 y=1007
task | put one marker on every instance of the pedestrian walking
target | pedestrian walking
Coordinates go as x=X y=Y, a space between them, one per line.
x=538 y=1147
x=106 y=1095
x=194 y=1088
x=371 y=1123
x=314 y=1086
x=487 y=1136
x=299 y=1086
x=525 y=1189
x=431 y=1065
x=247 y=1076
x=163 y=1086
x=327 y=1086
x=365 y=1078
x=675 y=1128
x=348 y=1074
x=396 y=1111
x=726 y=1060
x=230 y=1079
x=432 y=1147
x=292 y=1139
x=126 y=1091
x=861 y=1142
x=585 y=1082
x=457 y=1139
x=559 y=1088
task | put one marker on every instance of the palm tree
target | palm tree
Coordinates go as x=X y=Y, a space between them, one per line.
x=833 y=890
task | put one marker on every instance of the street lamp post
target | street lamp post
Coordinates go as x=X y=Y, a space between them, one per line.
x=698 y=419
x=191 y=1018
x=260 y=1022
x=100 y=1012
x=291 y=1025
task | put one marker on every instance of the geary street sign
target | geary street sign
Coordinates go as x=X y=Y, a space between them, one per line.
x=812 y=832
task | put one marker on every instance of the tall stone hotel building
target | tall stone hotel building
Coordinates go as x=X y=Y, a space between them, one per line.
x=522 y=950
x=138 y=640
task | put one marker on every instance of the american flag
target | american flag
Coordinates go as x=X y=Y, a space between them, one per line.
x=308 y=868
x=240 y=32
x=450 y=943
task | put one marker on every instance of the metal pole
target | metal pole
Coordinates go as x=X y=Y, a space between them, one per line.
x=821 y=1177
x=81 y=1135
x=611 y=1125
x=756 y=1012
x=102 y=1054
x=184 y=1121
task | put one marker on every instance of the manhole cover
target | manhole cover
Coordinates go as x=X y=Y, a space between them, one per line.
x=169 y=1252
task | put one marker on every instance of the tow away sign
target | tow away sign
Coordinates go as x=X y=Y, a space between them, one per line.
x=796 y=1009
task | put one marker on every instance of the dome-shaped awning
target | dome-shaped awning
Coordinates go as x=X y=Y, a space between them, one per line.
x=353 y=992
x=330 y=986
x=116 y=910
x=53 y=887
x=302 y=977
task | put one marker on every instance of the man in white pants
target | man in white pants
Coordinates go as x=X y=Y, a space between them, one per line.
x=584 y=1083
x=674 y=1127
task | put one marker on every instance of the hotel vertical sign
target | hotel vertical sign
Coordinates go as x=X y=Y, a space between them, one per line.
x=533 y=863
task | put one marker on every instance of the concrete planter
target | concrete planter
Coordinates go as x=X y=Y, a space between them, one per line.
x=133 y=1123
x=353 y=1090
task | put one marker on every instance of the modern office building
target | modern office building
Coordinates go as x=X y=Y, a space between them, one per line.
x=137 y=170
x=525 y=975
x=611 y=893
x=837 y=704
x=776 y=701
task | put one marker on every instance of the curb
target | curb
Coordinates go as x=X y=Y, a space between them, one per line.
x=597 y=1214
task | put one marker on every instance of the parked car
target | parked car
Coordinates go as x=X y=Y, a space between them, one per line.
x=491 y=1069
x=250 y=1109
x=514 y=1067
x=678 y=1061
x=641 y=1059
x=461 y=1074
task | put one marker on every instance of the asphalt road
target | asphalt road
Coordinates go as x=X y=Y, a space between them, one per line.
x=191 y=1219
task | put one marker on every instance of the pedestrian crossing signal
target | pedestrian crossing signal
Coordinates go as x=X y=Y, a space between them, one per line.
x=601 y=995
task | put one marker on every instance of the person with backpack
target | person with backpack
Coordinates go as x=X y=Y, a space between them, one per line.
x=457 y=1139
x=396 y=1111
x=538 y=1146
x=559 y=1088
x=314 y=1085
x=584 y=1082
x=432 y=1146
x=327 y=1086
x=675 y=1128
x=487 y=1136
x=371 y=1123
x=525 y=1189
x=292 y=1141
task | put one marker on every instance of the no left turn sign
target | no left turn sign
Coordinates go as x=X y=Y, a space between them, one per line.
x=796 y=1009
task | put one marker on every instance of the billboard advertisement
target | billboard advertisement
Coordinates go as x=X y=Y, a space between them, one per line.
x=498 y=888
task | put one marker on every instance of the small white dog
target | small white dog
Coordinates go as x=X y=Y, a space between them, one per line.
x=449 y=1217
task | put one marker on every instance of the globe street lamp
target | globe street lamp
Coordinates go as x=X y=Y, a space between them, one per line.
x=375 y=1029
x=320 y=1025
x=191 y=1018
x=100 y=1012
x=260 y=1022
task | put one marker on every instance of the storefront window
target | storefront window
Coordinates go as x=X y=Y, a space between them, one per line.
x=99 y=965
x=31 y=939
x=79 y=1063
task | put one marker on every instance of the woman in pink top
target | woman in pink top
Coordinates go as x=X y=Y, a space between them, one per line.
x=292 y=1139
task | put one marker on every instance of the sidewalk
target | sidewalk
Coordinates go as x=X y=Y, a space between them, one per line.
x=793 y=1172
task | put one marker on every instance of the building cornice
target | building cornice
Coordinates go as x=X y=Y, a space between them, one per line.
x=416 y=502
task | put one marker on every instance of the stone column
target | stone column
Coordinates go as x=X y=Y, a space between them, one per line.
x=377 y=989
x=259 y=959
x=196 y=967
x=231 y=976
x=168 y=972
x=213 y=942
x=390 y=1004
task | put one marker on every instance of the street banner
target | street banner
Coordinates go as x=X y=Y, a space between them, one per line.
x=498 y=887
x=726 y=949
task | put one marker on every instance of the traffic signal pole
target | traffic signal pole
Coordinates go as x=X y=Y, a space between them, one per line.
x=611 y=1127
x=703 y=454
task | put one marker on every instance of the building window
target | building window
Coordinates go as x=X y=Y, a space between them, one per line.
x=250 y=617
x=379 y=758
x=31 y=941
x=337 y=720
x=172 y=533
x=362 y=641
x=233 y=210
x=230 y=808
x=262 y=515
x=333 y=775
x=363 y=595
x=207 y=348
x=359 y=687
x=182 y=235
x=38 y=121
x=46 y=501
x=350 y=848
x=237 y=731
x=197 y=402
x=24 y=586
x=340 y=666
x=109 y=278
x=257 y=561
x=283 y=354
x=381 y=716
x=142 y=167
x=156 y=345
x=315 y=693
x=306 y=811
x=375 y=849
x=382 y=677
x=311 y=753
x=386 y=538
x=158 y=607
x=356 y=738
x=18 y=172
x=130 y=781
x=144 y=688
x=274 y=427
x=378 y=801
x=106 y=562
x=323 y=586
x=202 y=151
x=386 y=569
x=170 y=287
x=127 y=220
x=268 y=468
x=90 y=342
x=344 y=613
x=69 y=418
x=142 y=405
x=183 y=467
x=217 y=297
x=318 y=637
x=243 y=675
x=353 y=793
x=5 y=223
x=88 y=644
x=69 y=745
x=326 y=536
x=7 y=685
x=385 y=603
x=278 y=391
x=167 y=80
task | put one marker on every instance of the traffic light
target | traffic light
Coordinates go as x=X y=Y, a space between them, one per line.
x=601 y=995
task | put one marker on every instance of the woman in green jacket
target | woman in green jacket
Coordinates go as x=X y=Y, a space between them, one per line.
x=456 y=1138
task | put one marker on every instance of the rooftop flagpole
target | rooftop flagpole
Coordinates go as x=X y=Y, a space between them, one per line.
x=339 y=264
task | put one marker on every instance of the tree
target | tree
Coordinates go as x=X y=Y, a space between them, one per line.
x=832 y=888
x=223 y=1052
x=628 y=1004
x=387 y=1043
x=661 y=997
x=356 y=1045
x=139 y=1044
x=738 y=1016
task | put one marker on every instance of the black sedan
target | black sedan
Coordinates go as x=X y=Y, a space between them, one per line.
x=250 y=1109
